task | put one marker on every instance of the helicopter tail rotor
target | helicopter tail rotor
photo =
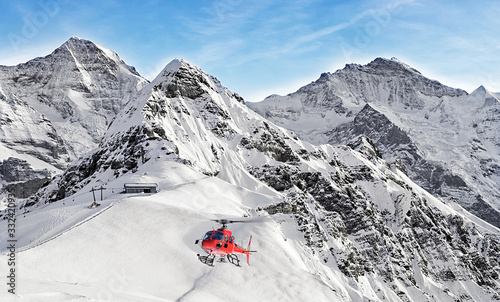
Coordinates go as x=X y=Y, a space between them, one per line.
x=248 y=252
x=249 y=243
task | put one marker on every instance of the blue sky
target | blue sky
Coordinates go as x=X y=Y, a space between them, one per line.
x=259 y=47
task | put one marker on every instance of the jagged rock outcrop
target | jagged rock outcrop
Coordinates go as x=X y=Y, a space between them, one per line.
x=403 y=239
x=22 y=180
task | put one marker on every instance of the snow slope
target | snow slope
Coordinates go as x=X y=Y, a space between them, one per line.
x=141 y=248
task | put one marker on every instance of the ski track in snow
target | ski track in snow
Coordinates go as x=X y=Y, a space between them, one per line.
x=66 y=230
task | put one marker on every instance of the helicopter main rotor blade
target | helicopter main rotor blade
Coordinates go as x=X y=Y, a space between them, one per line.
x=227 y=221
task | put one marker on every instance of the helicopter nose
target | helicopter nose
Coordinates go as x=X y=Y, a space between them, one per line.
x=208 y=244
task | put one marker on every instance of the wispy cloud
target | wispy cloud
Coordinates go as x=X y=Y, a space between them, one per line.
x=298 y=41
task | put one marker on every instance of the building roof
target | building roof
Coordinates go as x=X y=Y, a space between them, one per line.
x=140 y=185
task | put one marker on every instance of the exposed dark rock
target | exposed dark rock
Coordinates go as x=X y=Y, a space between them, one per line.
x=271 y=143
x=22 y=179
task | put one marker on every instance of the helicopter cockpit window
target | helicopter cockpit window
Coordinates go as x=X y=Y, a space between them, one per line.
x=218 y=236
x=207 y=235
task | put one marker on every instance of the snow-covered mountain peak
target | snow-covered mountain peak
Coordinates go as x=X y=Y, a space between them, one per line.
x=83 y=50
x=75 y=38
x=481 y=89
x=177 y=65
x=185 y=79
x=336 y=97
x=169 y=70
x=382 y=66
x=483 y=94
x=392 y=63
x=74 y=92
x=81 y=82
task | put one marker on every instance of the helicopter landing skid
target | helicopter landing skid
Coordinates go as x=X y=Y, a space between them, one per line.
x=233 y=259
x=208 y=260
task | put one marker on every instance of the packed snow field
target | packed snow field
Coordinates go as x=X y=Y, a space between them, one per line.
x=141 y=247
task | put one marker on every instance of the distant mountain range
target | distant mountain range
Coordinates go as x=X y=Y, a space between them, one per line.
x=362 y=175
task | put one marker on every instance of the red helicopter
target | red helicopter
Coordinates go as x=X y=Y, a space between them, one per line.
x=221 y=243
